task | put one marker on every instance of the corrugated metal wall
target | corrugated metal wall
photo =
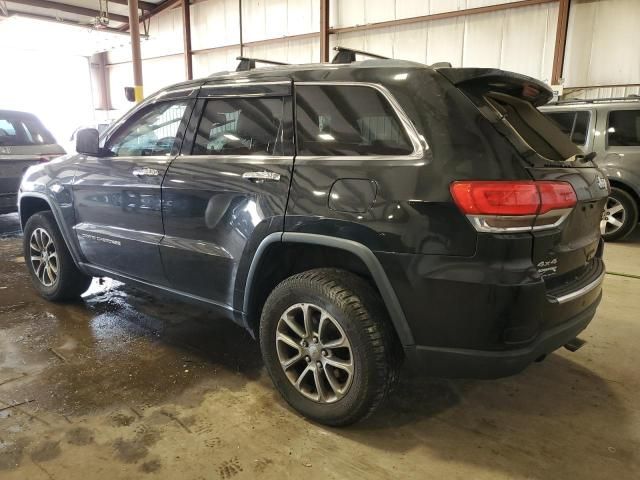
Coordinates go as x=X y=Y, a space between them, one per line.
x=520 y=39
x=602 y=49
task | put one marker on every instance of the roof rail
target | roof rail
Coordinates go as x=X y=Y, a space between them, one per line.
x=441 y=65
x=348 y=55
x=247 y=63
x=629 y=98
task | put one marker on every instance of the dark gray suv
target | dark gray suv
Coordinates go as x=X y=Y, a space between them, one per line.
x=611 y=129
x=339 y=213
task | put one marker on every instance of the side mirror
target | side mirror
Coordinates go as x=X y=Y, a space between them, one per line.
x=88 y=142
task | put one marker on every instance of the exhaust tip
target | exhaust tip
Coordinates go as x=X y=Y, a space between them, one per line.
x=575 y=344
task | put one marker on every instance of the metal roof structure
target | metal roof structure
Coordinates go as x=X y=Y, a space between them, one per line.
x=104 y=15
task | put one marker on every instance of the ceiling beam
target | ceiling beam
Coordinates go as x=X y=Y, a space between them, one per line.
x=159 y=8
x=146 y=6
x=61 y=7
x=66 y=21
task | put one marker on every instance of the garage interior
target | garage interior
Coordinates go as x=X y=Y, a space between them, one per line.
x=125 y=385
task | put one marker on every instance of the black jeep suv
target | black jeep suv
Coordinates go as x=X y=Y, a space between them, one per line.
x=349 y=216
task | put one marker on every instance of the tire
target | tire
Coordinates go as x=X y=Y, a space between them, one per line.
x=61 y=280
x=623 y=209
x=339 y=305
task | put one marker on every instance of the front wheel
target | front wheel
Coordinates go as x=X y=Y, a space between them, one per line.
x=53 y=272
x=328 y=345
x=620 y=215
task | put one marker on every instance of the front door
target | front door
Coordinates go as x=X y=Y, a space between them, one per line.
x=117 y=197
x=229 y=187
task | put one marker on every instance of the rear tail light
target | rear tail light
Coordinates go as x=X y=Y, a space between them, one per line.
x=514 y=206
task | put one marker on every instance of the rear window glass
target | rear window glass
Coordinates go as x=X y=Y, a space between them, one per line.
x=623 y=129
x=574 y=124
x=22 y=130
x=347 y=120
x=538 y=132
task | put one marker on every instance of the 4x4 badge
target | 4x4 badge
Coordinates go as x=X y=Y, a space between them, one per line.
x=602 y=183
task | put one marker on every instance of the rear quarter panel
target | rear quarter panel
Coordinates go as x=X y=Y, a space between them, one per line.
x=413 y=211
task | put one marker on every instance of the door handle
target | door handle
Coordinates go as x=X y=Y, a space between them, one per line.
x=260 y=177
x=145 y=172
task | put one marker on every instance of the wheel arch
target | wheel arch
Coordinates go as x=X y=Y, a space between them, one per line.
x=302 y=251
x=614 y=182
x=31 y=203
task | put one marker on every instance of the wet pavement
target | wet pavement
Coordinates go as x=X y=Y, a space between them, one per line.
x=9 y=225
x=124 y=385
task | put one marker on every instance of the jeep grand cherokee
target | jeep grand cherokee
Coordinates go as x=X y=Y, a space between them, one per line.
x=349 y=216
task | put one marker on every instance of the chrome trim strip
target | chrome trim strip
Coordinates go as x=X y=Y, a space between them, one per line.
x=208 y=86
x=195 y=246
x=418 y=142
x=244 y=159
x=564 y=213
x=580 y=292
x=164 y=93
x=261 y=176
x=479 y=222
x=107 y=234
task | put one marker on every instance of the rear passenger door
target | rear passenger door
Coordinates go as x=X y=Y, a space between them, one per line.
x=228 y=189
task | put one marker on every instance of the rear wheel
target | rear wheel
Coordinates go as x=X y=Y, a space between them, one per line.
x=53 y=272
x=620 y=216
x=328 y=346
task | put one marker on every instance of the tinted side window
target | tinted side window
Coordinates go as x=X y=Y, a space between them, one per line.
x=623 y=128
x=347 y=120
x=241 y=126
x=574 y=124
x=152 y=131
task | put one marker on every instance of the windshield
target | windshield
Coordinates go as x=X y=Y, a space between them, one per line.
x=22 y=130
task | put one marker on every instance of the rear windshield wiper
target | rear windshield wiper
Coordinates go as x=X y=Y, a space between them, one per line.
x=586 y=158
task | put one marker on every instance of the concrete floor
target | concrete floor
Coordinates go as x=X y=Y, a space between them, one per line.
x=123 y=386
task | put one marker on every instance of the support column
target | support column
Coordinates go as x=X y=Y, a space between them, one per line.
x=324 y=31
x=186 y=34
x=561 y=41
x=240 y=26
x=100 y=81
x=136 y=58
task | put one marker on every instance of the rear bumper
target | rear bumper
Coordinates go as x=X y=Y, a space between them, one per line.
x=489 y=315
x=465 y=363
